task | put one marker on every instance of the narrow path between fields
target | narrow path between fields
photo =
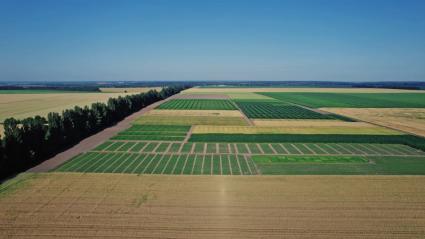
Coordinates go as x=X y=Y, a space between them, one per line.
x=94 y=140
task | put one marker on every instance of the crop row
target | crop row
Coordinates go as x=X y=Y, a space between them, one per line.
x=160 y=164
x=259 y=148
x=411 y=140
x=269 y=110
x=197 y=104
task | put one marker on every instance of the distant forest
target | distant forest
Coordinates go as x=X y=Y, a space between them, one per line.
x=93 y=86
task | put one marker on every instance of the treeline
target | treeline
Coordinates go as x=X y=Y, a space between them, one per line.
x=30 y=141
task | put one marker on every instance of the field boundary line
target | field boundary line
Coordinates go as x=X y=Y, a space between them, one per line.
x=308 y=148
x=158 y=163
x=166 y=164
x=184 y=165
x=188 y=134
x=175 y=164
x=250 y=123
x=246 y=161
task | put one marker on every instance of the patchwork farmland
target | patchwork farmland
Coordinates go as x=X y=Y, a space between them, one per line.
x=209 y=163
x=198 y=134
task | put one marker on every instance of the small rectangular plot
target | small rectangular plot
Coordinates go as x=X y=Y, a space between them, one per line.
x=266 y=148
x=234 y=165
x=223 y=148
x=162 y=147
x=71 y=163
x=225 y=166
x=251 y=164
x=114 y=165
x=104 y=146
x=152 y=164
x=328 y=148
x=242 y=148
x=279 y=149
x=189 y=164
x=136 y=148
x=315 y=149
x=243 y=164
x=87 y=166
x=254 y=149
x=216 y=164
x=126 y=146
x=169 y=168
x=175 y=147
x=341 y=148
x=199 y=148
x=303 y=148
x=212 y=148
x=137 y=165
x=159 y=168
x=207 y=164
x=180 y=164
x=107 y=163
x=187 y=148
x=126 y=163
x=291 y=149
x=197 y=167
x=115 y=146
x=150 y=147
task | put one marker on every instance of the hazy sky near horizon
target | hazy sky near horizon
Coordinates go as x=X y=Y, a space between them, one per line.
x=340 y=40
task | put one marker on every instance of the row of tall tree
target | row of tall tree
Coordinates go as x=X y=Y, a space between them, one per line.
x=29 y=141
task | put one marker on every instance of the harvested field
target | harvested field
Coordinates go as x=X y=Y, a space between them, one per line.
x=407 y=120
x=216 y=113
x=112 y=205
x=196 y=90
x=197 y=104
x=129 y=89
x=28 y=105
x=190 y=120
x=363 y=130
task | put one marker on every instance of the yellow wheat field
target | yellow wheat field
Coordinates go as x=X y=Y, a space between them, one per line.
x=205 y=129
x=60 y=205
x=28 y=105
x=407 y=120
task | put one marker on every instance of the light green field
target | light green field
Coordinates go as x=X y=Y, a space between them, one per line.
x=190 y=120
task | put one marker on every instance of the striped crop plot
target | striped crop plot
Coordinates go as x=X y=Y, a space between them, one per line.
x=276 y=110
x=157 y=163
x=154 y=132
x=197 y=104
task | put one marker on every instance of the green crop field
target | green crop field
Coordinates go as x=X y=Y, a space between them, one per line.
x=197 y=104
x=266 y=159
x=388 y=165
x=153 y=132
x=270 y=110
x=352 y=100
x=217 y=164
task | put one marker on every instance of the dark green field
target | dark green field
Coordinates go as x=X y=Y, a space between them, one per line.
x=377 y=166
x=352 y=100
x=272 y=110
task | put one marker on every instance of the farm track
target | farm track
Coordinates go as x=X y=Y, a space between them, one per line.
x=122 y=205
x=92 y=141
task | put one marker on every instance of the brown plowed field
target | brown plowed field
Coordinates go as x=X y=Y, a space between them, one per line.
x=112 y=205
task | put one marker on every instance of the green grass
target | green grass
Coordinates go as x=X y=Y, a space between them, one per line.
x=197 y=104
x=263 y=159
x=352 y=100
x=380 y=166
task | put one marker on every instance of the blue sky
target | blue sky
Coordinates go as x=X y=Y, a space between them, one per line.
x=344 y=40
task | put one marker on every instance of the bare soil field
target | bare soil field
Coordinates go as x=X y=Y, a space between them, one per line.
x=61 y=205
x=407 y=120
x=196 y=90
x=28 y=105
